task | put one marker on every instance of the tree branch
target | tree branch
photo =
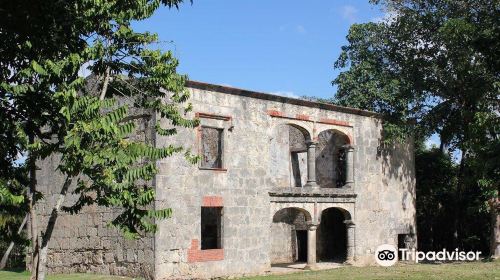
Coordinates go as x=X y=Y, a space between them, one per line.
x=105 y=84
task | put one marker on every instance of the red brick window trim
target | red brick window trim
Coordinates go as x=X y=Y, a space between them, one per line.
x=334 y=122
x=275 y=113
x=197 y=255
x=212 y=201
x=302 y=117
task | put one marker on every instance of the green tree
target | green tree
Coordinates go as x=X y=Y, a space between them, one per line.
x=13 y=217
x=433 y=68
x=88 y=122
x=436 y=173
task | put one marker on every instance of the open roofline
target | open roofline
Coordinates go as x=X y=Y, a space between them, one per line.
x=278 y=98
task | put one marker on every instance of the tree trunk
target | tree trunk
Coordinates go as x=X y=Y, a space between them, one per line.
x=32 y=213
x=457 y=241
x=495 y=231
x=5 y=257
x=42 y=262
x=105 y=83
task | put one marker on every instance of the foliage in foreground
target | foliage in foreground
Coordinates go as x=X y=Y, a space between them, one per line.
x=95 y=127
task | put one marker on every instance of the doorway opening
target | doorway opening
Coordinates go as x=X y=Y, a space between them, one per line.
x=289 y=236
x=332 y=236
x=301 y=245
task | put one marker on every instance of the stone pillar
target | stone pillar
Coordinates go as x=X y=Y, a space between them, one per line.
x=349 y=162
x=311 y=165
x=311 y=246
x=350 y=241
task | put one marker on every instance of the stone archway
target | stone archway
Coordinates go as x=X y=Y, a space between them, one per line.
x=312 y=216
x=298 y=139
x=289 y=235
x=335 y=236
x=334 y=159
x=288 y=151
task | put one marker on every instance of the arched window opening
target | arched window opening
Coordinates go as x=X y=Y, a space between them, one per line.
x=297 y=138
x=331 y=159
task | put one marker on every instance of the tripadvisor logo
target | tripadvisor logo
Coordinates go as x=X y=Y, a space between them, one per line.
x=387 y=255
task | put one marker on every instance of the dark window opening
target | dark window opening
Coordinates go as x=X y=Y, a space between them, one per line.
x=211 y=147
x=403 y=243
x=297 y=176
x=211 y=228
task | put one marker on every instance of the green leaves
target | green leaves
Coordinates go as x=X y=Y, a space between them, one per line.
x=99 y=145
x=104 y=140
x=38 y=68
x=426 y=59
x=144 y=172
x=7 y=198
x=65 y=112
x=434 y=69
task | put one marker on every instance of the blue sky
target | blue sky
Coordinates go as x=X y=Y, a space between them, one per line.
x=276 y=46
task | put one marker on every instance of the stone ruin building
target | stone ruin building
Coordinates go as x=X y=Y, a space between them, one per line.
x=280 y=180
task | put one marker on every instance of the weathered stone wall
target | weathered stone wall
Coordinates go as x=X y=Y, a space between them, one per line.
x=256 y=160
x=84 y=242
x=389 y=194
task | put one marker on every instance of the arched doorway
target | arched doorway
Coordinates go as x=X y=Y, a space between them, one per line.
x=332 y=235
x=289 y=236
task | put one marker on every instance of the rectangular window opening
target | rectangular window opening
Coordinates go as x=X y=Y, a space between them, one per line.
x=211 y=228
x=211 y=147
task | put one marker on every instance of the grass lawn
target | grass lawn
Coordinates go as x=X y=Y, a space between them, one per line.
x=24 y=275
x=476 y=270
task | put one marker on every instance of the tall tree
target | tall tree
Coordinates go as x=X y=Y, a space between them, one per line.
x=87 y=122
x=432 y=68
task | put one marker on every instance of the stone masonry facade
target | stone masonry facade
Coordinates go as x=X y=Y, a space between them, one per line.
x=280 y=180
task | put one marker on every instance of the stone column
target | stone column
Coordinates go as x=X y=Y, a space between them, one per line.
x=311 y=165
x=350 y=241
x=349 y=162
x=311 y=246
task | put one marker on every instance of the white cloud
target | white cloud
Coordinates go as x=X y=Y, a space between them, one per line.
x=349 y=13
x=301 y=29
x=388 y=17
x=286 y=94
